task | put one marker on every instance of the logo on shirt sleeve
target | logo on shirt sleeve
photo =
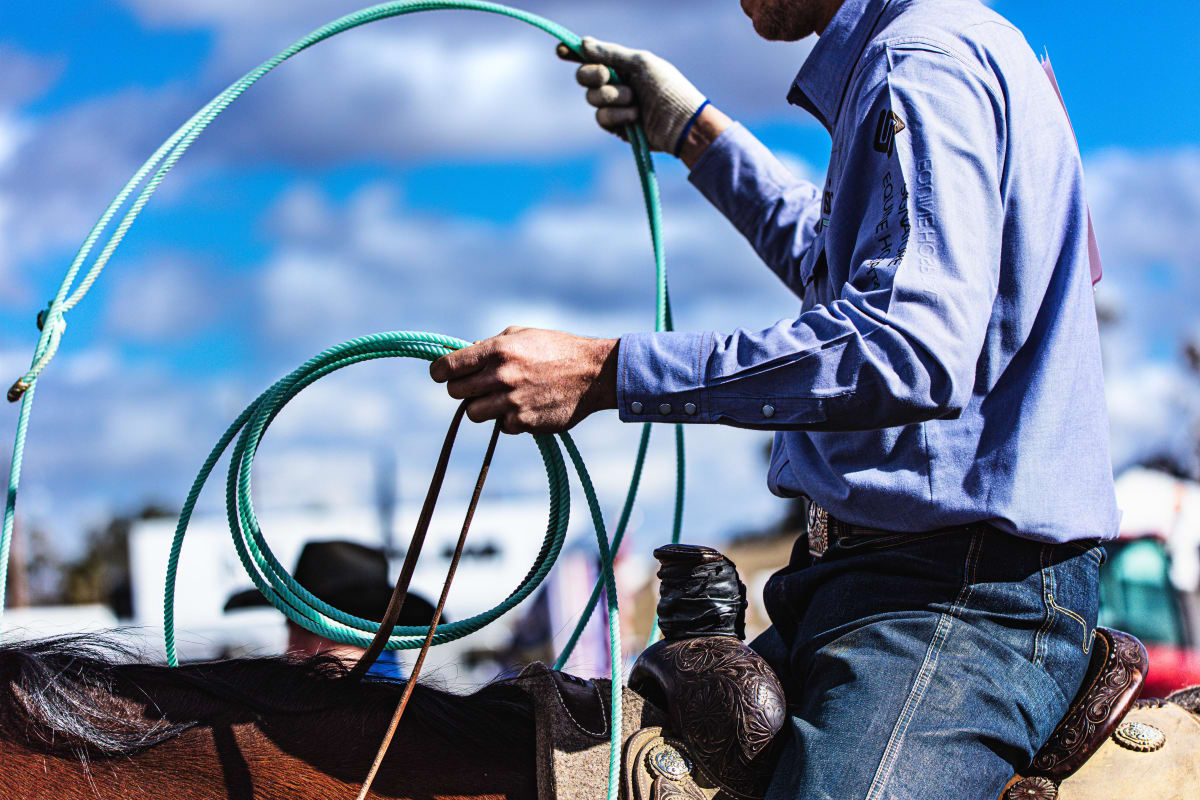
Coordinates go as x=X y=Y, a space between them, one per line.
x=826 y=210
x=885 y=131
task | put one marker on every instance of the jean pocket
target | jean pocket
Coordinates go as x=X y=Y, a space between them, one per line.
x=1071 y=593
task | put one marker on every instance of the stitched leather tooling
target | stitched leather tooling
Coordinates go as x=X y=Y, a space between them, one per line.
x=1113 y=682
x=723 y=701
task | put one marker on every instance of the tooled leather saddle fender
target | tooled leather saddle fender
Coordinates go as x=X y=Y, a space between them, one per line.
x=699 y=715
x=1111 y=745
x=722 y=699
x=725 y=705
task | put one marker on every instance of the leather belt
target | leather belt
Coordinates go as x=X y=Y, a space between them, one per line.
x=824 y=530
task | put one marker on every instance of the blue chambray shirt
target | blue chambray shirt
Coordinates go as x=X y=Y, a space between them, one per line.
x=945 y=366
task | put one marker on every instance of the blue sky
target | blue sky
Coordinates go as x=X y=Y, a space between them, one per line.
x=442 y=173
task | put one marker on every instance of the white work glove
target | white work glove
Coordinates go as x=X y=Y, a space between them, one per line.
x=651 y=89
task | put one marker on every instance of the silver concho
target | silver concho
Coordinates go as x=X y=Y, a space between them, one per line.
x=1033 y=789
x=1140 y=737
x=666 y=760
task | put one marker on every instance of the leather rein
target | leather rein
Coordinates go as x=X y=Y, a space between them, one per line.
x=399 y=594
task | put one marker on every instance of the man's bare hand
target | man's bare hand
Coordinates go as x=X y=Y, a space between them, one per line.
x=533 y=381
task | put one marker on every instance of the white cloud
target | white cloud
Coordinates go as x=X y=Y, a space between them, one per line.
x=1145 y=208
x=168 y=298
x=430 y=86
x=377 y=263
x=89 y=367
x=456 y=83
x=1154 y=409
x=13 y=133
x=387 y=94
x=23 y=76
x=106 y=435
x=62 y=170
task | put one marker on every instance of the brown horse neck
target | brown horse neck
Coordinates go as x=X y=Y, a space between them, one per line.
x=320 y=756
x=305 y=737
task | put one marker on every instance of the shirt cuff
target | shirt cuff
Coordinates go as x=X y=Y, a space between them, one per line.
x=660 y=376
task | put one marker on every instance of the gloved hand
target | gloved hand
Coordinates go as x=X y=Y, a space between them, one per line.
x=651 y=88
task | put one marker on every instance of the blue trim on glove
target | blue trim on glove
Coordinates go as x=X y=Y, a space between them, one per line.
x=687 y=128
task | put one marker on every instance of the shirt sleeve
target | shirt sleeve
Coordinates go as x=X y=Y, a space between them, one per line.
x=776 y=211
x=898 y=340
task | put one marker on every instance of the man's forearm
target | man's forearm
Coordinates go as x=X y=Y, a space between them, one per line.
x=707 y=128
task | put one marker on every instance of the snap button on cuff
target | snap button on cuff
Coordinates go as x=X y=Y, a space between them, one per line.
x=768 y=411
x=664 y=409
x=689 y=409
x=636 y=407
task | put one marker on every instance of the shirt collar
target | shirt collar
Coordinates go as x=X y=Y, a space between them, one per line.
x=820 y=85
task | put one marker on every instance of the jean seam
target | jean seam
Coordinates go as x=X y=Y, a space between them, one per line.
x=928 y=667
x=1093 y=552
x=1087 y=640
x=1039 y=638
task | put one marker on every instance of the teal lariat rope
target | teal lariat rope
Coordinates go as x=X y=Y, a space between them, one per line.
x=271 y=578
x=268 y=574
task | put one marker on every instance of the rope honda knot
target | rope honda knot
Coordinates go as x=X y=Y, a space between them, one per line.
x=47 y=347
x=17 y=390
x=43 y=315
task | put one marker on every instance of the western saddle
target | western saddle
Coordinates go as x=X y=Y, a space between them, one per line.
x=703 y=709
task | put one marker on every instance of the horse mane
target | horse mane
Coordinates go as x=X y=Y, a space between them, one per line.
x=90 y=697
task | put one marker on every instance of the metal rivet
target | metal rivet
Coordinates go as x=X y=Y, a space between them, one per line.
x=664 y=409
x=689 y=409
x=636 y=407
x=768 y=411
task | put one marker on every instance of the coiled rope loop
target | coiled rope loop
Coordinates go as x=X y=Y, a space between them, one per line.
x=271 y=578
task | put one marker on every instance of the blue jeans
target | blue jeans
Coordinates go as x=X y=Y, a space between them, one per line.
x=927 y=666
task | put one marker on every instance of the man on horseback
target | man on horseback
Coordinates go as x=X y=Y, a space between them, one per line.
x=938 y=400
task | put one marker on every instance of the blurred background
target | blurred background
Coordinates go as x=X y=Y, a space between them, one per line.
x=441 y=172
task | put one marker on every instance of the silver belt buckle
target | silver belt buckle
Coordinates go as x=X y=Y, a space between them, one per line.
x=818 y=530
